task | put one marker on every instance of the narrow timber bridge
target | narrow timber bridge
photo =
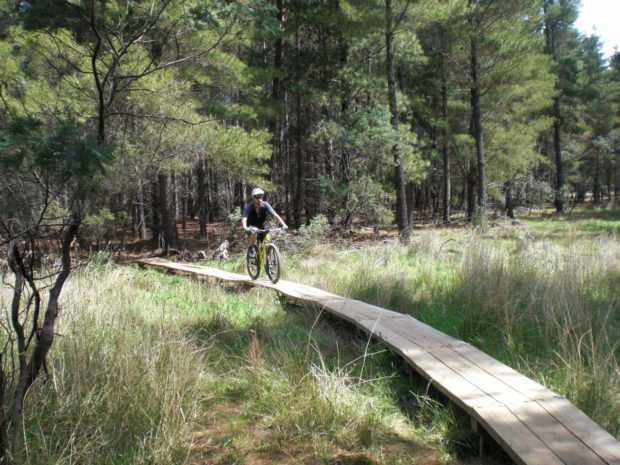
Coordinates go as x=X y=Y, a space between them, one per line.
x=531 y=423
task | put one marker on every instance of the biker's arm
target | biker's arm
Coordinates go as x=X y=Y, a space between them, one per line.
x=276 y=216
x=279 y=219
x=244 y=225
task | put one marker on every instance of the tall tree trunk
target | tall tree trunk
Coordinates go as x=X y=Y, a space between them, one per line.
x=209 y=201
x=140 y=220
x=175 y=196
x=471 y=190
x=191 y=203
x=509 y=200
x=477 y=121
x=557 y=115
x=345 y=164
x=212 y=203
x=410 y=191
x=168 y=224
x=201 y=198
x=596 y=188
x=312 y=204
x=288 y=184
x=399 y=172
x=299 y=152
x=185 y=178
x=557 y=147
x=345 y=160
x=608 y=175
x=580 y=193
x=277 y=159
x=155 y=223
x=435 y=199
x=299 y=182
x=278 y=54
x=445 y=147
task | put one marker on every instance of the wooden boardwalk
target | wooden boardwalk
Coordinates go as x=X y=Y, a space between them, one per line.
x=531 y=423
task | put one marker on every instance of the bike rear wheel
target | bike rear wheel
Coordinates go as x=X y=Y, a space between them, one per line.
x=252 y=262
x=273 y=263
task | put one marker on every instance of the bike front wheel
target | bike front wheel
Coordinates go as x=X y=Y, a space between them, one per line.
x=273 y=263
x=252 y=263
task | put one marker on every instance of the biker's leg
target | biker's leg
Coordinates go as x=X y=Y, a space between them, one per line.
x=251 y=241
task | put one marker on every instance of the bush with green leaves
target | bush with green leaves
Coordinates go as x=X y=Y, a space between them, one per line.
x=317 y=227
x=96 y=227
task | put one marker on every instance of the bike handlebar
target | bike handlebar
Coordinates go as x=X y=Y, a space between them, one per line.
x=257 y=230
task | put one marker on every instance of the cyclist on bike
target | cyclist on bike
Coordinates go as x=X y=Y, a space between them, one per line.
x=255 y=217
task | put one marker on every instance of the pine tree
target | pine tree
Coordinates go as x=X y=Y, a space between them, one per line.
x=560 y=35
x=598 y=118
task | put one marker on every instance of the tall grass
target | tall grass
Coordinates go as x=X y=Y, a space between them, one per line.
x=554 y=314
x=150 y=368
x=548 y=308
x=123 y=387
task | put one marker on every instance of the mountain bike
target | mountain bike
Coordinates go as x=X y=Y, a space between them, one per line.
x=264 y=253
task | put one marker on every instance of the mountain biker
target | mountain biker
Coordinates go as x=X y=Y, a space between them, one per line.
x=255 y=217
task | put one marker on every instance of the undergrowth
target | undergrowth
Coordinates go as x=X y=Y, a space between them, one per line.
x=150 y=368
x=548 y=308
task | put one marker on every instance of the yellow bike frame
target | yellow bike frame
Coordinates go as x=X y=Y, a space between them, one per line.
x=261 y=252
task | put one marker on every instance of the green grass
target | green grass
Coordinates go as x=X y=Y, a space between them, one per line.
x=609 y=227
x=548 y=307
x=150 y=368
x=540 y=295
x=579 y=224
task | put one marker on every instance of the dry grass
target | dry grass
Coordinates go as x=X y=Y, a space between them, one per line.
x=156 y=369
x=549 y=308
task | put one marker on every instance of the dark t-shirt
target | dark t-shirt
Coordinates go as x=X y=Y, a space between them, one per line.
x=259 y=219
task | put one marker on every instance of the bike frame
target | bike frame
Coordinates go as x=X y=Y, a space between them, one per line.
x=261 y=250
x=263 y=247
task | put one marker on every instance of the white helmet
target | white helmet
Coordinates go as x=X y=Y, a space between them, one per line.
x=257 y=191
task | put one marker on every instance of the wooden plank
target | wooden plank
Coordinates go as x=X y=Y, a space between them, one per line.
x=305 y=292
x=194 y=269
x=422 y=334
x=555 y=435
x=503 y=392
x=357 y=313
x=539 y=420
x=521 y=443
x=498 y=390
x=584 y=428
x=460 y=390
x=460 y=350
x=528 y=387
x=523 y=446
